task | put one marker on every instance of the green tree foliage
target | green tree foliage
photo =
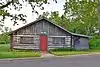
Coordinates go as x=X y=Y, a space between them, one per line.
x=55 y=17
x=66 y=23
x=60 y=20
x=83 y=16
x=95 y=42
x=5 y=38
x=45 y=14
x=17 y=5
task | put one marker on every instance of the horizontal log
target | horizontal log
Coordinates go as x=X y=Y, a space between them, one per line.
x=59 y=36
x=26 y=47
x=60 y=46
x=26 y=35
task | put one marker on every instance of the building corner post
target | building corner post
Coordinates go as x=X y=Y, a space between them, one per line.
x=71 y=42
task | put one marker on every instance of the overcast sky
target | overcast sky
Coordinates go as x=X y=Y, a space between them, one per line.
x=31 y=17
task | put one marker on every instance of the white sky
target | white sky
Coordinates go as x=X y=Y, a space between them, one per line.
x=31 y=17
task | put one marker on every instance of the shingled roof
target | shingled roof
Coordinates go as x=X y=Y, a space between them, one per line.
x=43 y=18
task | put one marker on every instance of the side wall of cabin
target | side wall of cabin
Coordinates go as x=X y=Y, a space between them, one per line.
x=81 y=43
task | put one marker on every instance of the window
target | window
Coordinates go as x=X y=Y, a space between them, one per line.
x=26 y=40
x=58 y=40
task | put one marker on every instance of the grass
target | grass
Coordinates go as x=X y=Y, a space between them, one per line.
x=62 y=52
x=5 y=52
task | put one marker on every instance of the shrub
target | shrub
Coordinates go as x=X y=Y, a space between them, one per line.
x=4 y=39
x=95 y=42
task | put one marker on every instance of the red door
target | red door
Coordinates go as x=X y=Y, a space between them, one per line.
x=43 y=42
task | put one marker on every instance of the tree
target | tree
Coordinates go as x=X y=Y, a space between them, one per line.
x=83 y=12
x=45 y=14
x=6 y=5
x=62 y=20
x=55 y=17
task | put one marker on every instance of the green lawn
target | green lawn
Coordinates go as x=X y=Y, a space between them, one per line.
x=5 y=52
x=62 y=52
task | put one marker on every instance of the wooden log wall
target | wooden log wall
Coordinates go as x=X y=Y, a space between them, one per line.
x=67 y=43
x=36 y=43
x=32 y=45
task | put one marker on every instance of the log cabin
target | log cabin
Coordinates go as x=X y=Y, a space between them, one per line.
x=43 y=34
